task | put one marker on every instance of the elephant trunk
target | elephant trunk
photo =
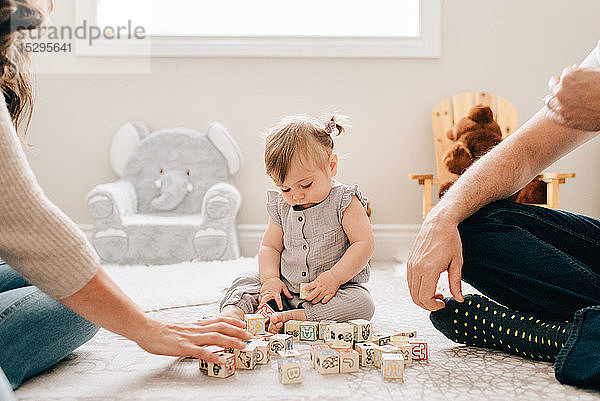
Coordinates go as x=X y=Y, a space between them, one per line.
x=173 y=190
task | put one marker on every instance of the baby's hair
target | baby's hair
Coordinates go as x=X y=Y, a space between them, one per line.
x=302 y=136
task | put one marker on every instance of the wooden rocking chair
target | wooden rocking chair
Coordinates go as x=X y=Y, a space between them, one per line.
x=449 y=111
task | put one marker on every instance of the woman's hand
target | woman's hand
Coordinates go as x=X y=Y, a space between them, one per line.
x=575 y=99
x=189 y=339
x=272 y=289
x=323 y=288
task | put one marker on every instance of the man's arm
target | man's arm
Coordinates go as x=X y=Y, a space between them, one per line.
x=497 y=175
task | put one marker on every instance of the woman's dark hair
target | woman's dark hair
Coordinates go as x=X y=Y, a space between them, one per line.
x=17 y=17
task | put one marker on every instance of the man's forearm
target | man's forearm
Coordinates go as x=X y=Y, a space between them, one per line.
x=509 y=166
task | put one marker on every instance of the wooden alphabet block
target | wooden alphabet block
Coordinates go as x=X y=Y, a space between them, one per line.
x=290 y=370
x=289 y=353
x=265 y=311
x=292 y=328
x=348 y=360
x=419 y=350
x=392 y=366
x=303 y=291
x=406 y=351
x=403 y=334
x=313 y=349
x=263 y=355
x=381 y=338
x=210 y=348
x=380 y=350
x=255 y=323
x=228 y=369
x=327 y=361
x=279 y=342
x=366 y=353
x=339 y=335
x=309 y=331
x=362 y=330
x=323 y=327
x=245 y=358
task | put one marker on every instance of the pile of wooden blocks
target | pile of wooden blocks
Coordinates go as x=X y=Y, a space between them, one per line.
x=336 y=348
x=355 y=345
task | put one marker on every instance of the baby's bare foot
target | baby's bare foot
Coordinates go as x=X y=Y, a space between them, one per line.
x=277 y=319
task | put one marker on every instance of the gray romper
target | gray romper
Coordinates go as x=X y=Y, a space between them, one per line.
x=313 y=241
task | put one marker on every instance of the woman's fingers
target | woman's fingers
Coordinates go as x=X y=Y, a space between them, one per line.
x=209 y=356
x=226 y=319
x=225 y=328
x=217 y=339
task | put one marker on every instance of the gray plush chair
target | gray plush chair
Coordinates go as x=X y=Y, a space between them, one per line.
x=173 y=201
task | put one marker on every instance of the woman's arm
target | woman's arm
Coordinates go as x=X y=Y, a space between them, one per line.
x=47 y=248
x=357 y=227
x=102 y=302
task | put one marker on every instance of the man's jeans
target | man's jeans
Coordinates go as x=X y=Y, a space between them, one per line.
x=35 y=330
x=544 y=262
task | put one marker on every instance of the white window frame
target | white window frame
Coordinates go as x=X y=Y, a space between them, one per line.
x=426 y=45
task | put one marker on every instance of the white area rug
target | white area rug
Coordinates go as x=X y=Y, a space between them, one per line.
x=183 y=284
x=109 y=368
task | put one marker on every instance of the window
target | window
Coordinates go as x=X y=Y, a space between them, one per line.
x=265 y=28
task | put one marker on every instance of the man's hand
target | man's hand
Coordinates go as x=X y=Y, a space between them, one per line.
x=272 y=289
x=436 y=249
x=323 y=288
x=575 y=99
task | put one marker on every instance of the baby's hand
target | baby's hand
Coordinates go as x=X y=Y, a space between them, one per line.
x=323 y=288
x=272 y=289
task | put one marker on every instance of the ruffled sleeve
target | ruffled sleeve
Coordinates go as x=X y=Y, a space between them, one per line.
x=347 y=198
x=274 y=199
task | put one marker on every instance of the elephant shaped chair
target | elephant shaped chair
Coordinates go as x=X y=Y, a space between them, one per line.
x=173 y=201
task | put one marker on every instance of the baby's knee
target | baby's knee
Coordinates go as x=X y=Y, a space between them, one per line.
x=243 y=292
x=249 y=278
x=351 y=302
x=365 y=308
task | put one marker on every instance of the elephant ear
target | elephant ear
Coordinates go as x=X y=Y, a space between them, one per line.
x=224 y=142
x=124 y=142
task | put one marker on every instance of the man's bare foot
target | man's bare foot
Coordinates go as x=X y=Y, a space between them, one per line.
x=233 y=311
x=277 y=319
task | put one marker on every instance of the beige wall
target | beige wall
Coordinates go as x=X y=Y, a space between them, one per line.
x=508 y=47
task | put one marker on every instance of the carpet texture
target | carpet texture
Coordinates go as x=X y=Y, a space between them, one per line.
x=183 y=284
x=112 y=368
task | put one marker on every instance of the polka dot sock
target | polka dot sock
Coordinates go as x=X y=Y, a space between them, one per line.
x=481 y=322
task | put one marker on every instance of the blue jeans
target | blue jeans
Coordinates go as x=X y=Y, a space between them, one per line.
x=35 y=330
x=544 y=262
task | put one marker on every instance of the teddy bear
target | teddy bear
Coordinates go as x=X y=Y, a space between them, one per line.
x=474 y=136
